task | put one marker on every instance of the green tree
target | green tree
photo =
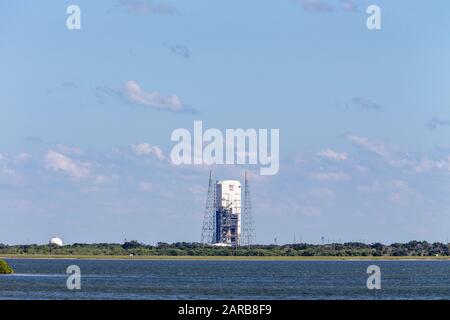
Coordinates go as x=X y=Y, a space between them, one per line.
x=5 y=268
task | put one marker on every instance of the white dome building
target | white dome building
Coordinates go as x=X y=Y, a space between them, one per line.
x=56 y=241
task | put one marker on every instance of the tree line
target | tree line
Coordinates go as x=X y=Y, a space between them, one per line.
x=135 y=248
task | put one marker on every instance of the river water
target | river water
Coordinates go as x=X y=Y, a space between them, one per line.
x=162 y=279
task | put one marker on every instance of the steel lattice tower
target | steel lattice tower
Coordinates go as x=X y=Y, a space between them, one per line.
x=209 y=225
x=248 y=235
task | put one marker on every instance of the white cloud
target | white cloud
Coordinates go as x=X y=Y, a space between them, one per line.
x=143 y=149
x=322 y=194
x=332 y=155
x=350 y=5
x=146 y=187
x=8 y=173
x=105 y=179
x=315 y=5
x=22 y=157
x=330 y=176
x=58 y=162
x=135 y=94
x=300 y=159
x=400 y=160
x=426 y=164
x=307 y=210
x=402 y=193
x=372 y=188
x=375 y=147
x=144 y=7
x=68 y=150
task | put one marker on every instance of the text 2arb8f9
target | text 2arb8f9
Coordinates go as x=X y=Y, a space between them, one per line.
x=263 y=309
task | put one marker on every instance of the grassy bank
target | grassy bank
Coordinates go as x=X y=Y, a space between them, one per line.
x=224 y=258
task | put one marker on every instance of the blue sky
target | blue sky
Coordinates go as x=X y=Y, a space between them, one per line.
x=364 y=117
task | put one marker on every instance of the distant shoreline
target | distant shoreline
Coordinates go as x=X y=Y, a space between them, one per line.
x=227 y=258
x=199 y=251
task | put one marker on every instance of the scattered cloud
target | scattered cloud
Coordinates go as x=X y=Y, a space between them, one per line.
x=326 y=6
x=143 y=149
x=322 y=194
x=365 y=103
x=31 y=139
x=145 y=7
x=332 y=155
x=330 y=176
x=146 y=186
x=132 y=92
x=372 y=188
x=180 y=50
x=376 y=147
x=402 y=193
x=22 y=157
x=315 y=5
x=436 y=122
x=101 y=180
x=307 y=210
x=60 y=163
x=68 y=85
x=164 y=9
x=135 y=94
x=425 y=164
x=8 y=174
x=103 y=93
x=395 y=158
x=313 y=190
x=350 y=5
x=398 y=191
x=68 y=150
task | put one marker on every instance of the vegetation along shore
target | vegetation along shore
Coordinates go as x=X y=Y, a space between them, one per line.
x=133 y=249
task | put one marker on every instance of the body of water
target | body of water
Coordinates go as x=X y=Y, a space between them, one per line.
x=149 y=279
